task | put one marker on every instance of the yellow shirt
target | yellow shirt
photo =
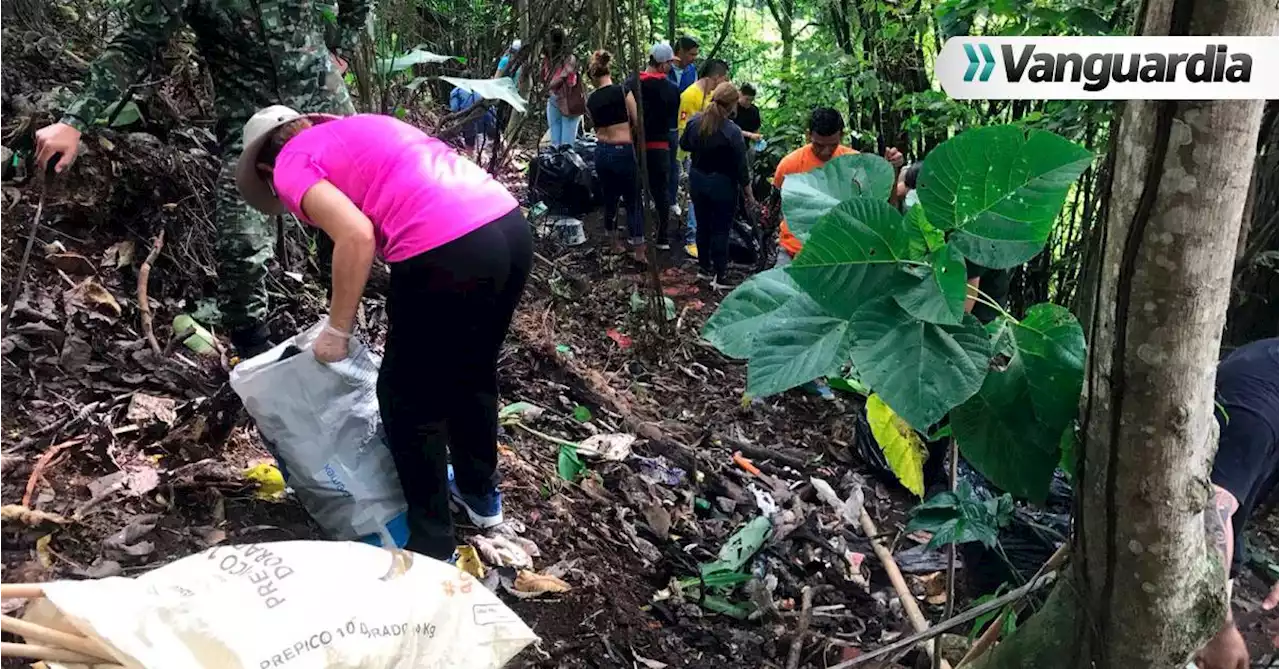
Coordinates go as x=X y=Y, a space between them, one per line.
x=692 y=101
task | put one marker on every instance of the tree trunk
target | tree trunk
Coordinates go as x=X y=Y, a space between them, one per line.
x=1144 y=589
x=725 y=29
x=671 y=21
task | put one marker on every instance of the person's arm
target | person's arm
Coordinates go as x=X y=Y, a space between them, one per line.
x=633 y=113
x=353 y=250
x=740 y=160
x=1227 y=649
x=149 y=24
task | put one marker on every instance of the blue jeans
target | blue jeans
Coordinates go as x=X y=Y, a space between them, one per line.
x=616 y=167
x=564 y=129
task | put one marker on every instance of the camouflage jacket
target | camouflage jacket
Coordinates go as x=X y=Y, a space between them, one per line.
x=259 y=52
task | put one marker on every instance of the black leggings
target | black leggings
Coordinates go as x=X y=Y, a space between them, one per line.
x=658 y=168
x=449 y=310
x=715 y=198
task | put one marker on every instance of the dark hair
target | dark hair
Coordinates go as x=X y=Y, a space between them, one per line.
x=825 y=121
x=685 y=43
x=910 y=173
x=599 y=65
x=270 y=150
x=747 y=89
x=555 y=43
x=714 y=68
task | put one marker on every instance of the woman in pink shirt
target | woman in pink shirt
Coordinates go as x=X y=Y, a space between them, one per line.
x=459 y=250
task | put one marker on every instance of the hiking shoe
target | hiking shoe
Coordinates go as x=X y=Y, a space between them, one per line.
x=691 y=250
x=484 y=510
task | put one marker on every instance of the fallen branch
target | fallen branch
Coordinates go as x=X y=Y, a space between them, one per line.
x=144 y=305
x=909 y=604
x=952 y=623
x=41 y=464
x=26 y=252
x=992 y=633
x=802 y=627
x=55 y=638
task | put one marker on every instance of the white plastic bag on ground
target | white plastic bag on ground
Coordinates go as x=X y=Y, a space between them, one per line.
x=290 y=605
x=322 y=424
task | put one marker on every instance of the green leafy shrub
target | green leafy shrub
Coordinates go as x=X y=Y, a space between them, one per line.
x=885 y=292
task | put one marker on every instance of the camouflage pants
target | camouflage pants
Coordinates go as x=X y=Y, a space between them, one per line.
x=246 y=237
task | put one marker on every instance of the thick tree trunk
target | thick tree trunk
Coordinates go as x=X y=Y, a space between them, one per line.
x=1147 y=590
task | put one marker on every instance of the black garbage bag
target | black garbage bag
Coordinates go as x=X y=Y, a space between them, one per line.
x=744 y=242
x=560 y=178
x=1029 y=539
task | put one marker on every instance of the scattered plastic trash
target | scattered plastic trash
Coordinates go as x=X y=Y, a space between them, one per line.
x=614 y=447
x=657 y=470
x=566 y=230
x=623 y=341
x=199 y=340
x=270 y=481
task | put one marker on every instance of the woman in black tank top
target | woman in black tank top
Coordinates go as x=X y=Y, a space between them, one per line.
x=613 y=112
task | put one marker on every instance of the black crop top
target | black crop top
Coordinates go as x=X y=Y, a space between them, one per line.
x=607 y=106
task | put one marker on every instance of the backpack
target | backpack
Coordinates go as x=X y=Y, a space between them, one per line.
x=571 y=100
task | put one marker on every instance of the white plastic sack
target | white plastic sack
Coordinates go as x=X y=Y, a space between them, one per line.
x=290 y=605
x=321 y=422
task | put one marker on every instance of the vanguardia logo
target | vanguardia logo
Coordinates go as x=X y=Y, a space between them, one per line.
x=1109 y=68
x=988 y=62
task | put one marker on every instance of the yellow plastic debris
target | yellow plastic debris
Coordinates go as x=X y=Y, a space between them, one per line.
x=469 y=561
x=269 y=479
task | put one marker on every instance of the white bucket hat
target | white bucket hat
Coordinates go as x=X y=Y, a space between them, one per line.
x=255 y=190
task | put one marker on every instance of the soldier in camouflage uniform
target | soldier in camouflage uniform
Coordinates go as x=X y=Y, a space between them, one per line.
x=259 y=53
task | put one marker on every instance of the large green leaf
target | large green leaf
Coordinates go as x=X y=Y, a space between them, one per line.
x=922 y=370
x=853 y=251
x=1011 y=430
x=938 y=293
x=999 y=190
x=502 y=88
x=748 y=309
x=903 y=449
x=809 y=195
x=961 y=517
x=793 y=350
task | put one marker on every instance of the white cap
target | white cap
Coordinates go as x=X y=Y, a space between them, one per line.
x=255 y=190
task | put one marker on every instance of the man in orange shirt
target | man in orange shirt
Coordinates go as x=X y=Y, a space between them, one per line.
x=826 y=131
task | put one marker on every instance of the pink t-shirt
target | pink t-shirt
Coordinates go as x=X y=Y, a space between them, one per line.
x=418 y=191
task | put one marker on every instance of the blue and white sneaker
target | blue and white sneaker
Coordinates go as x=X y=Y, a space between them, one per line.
x=484 y=511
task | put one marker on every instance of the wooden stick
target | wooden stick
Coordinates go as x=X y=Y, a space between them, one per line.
x=21 y=590
x=802 y=628
x=55 y=638
x=38 y=470
x=51 y=654
x=909 y=604
x=144 y=304
x=992 y=633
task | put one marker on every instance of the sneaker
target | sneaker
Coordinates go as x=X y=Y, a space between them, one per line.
x=820 y=388
x=675 y=210
x=691 y=250
x=664 y=246
x=484 y=511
